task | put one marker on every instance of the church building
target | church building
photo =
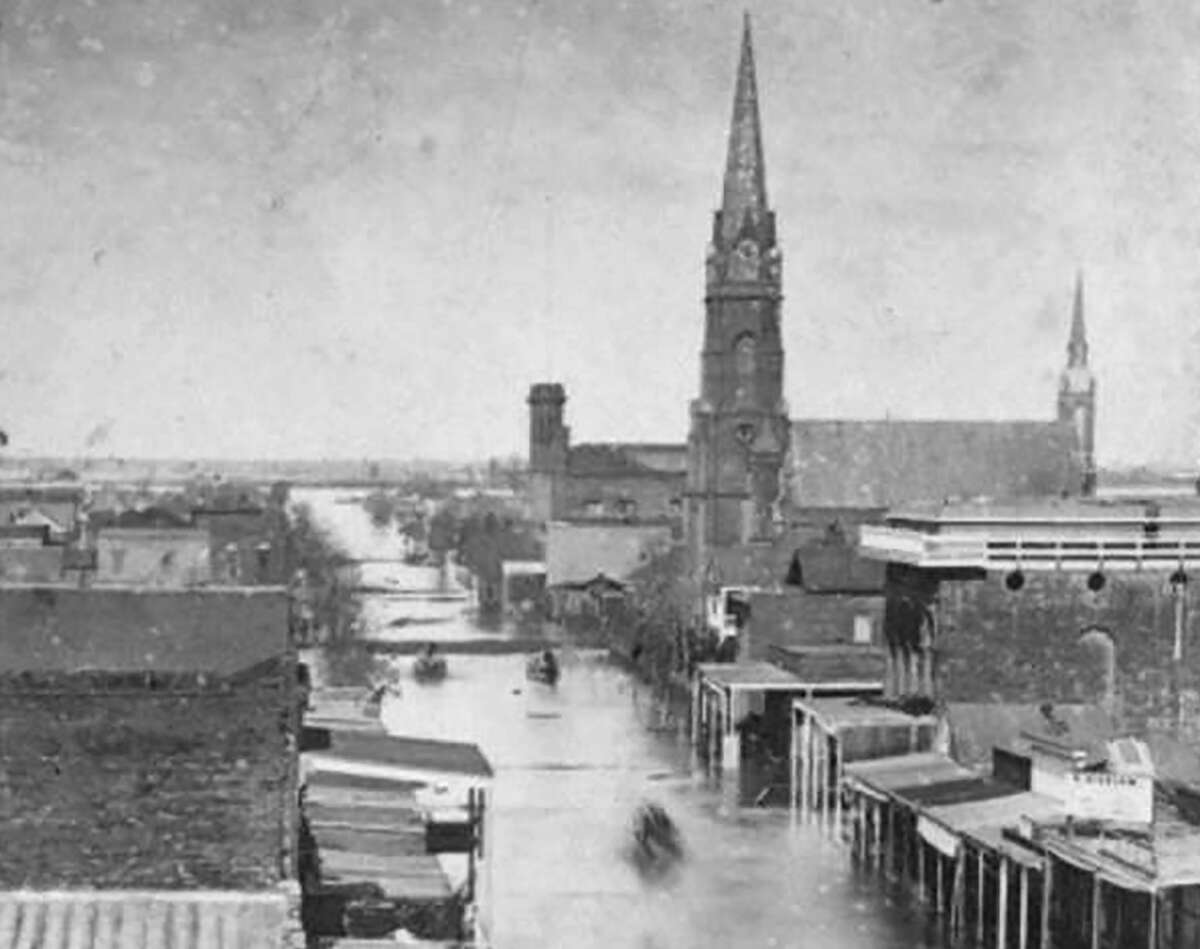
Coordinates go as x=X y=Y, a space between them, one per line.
x=756 y=477
x=750 y=476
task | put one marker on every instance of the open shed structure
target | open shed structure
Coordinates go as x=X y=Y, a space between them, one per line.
x=723 y=694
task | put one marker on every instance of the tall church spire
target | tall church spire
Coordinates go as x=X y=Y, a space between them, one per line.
x=740 y=433
x=1077 y=347
x=745 y=172
x=1077 y=393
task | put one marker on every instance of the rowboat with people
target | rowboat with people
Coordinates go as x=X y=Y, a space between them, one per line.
x=429 y=666
x=543 y=668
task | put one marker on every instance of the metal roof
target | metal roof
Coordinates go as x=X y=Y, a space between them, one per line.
x=370 y=832
x=847 y=713
x=142 y=919
x=974 y=787
x=762 y=676
x=907 y=771
x=986 y=820
x=370 y=748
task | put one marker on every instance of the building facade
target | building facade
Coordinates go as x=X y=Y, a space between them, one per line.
x=597 y=481
x=148 y=746
x=1075 y=601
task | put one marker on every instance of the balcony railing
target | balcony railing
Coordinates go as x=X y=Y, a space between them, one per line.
x=1041 y=551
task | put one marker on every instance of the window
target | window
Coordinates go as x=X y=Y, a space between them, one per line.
x=744 y=352
x=863 y=630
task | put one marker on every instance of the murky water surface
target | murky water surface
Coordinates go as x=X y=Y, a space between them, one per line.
x=572 y=763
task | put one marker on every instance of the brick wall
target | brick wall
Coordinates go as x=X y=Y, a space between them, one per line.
x=652 y=496
x=259 y=538
x=117 y=785
x=801 y=619
x=994 y=644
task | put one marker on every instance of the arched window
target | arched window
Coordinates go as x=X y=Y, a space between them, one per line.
x=744 y=352
x=1097 y=645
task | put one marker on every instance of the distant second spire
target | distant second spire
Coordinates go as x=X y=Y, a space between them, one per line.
x=1077 y=347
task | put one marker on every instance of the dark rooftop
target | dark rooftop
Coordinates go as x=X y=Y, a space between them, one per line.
x=121 y=629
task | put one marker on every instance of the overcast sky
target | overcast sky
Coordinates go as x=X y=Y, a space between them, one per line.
x=289 y=228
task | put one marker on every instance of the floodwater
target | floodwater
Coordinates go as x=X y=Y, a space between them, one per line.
x=572 y=762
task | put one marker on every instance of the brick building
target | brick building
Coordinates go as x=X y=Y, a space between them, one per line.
x=629 y=481
x=153 y=556
x=1069 y=601
x=248 y=540
x=149 y=763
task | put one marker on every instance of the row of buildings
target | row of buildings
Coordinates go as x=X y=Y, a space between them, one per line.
x=946 y=642
x=231 y=534
x=169 y=778
x=751 y=485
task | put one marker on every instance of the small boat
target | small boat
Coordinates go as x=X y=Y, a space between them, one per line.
x=429 y=668
x=542 y=668
x=657 y=847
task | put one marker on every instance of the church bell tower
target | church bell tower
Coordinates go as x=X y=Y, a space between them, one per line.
x=740 y=433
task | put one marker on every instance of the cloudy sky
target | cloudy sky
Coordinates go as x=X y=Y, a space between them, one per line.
x=291 y=227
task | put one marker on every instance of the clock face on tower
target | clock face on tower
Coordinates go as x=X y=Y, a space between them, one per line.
x=743 y=265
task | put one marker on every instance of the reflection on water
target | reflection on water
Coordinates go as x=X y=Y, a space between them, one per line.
x=572 y=763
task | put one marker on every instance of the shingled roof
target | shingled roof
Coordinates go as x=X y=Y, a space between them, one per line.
x=619 y=459
x=885 y=462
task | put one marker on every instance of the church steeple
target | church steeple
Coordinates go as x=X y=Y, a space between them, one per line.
x=1077 y=393
x=1077 y=347
x=740 y=432
x=745 y=172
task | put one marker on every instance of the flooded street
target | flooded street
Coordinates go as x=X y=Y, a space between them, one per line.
x=572 y=762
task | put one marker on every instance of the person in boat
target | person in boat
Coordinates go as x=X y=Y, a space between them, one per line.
x=656 y=833
x=549 y=665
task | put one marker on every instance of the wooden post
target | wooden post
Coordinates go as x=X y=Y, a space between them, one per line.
x=696 y=695
x=793 y=790
x=920 y=868
x=1023 y=926
x=1002 y=905
x=835 y=767
x=858 y=829
x=805 y=765
x=956 y=893
x=1047 y=893
x=825 y=809
x=877 y=833
x=939 y=877
x=1097 y=897
x=819 y=786
x=1153 y=926
x=891 y=862
x=980 y=892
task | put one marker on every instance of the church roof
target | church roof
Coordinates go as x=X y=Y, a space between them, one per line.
x=625 y=459
x=886 y=462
